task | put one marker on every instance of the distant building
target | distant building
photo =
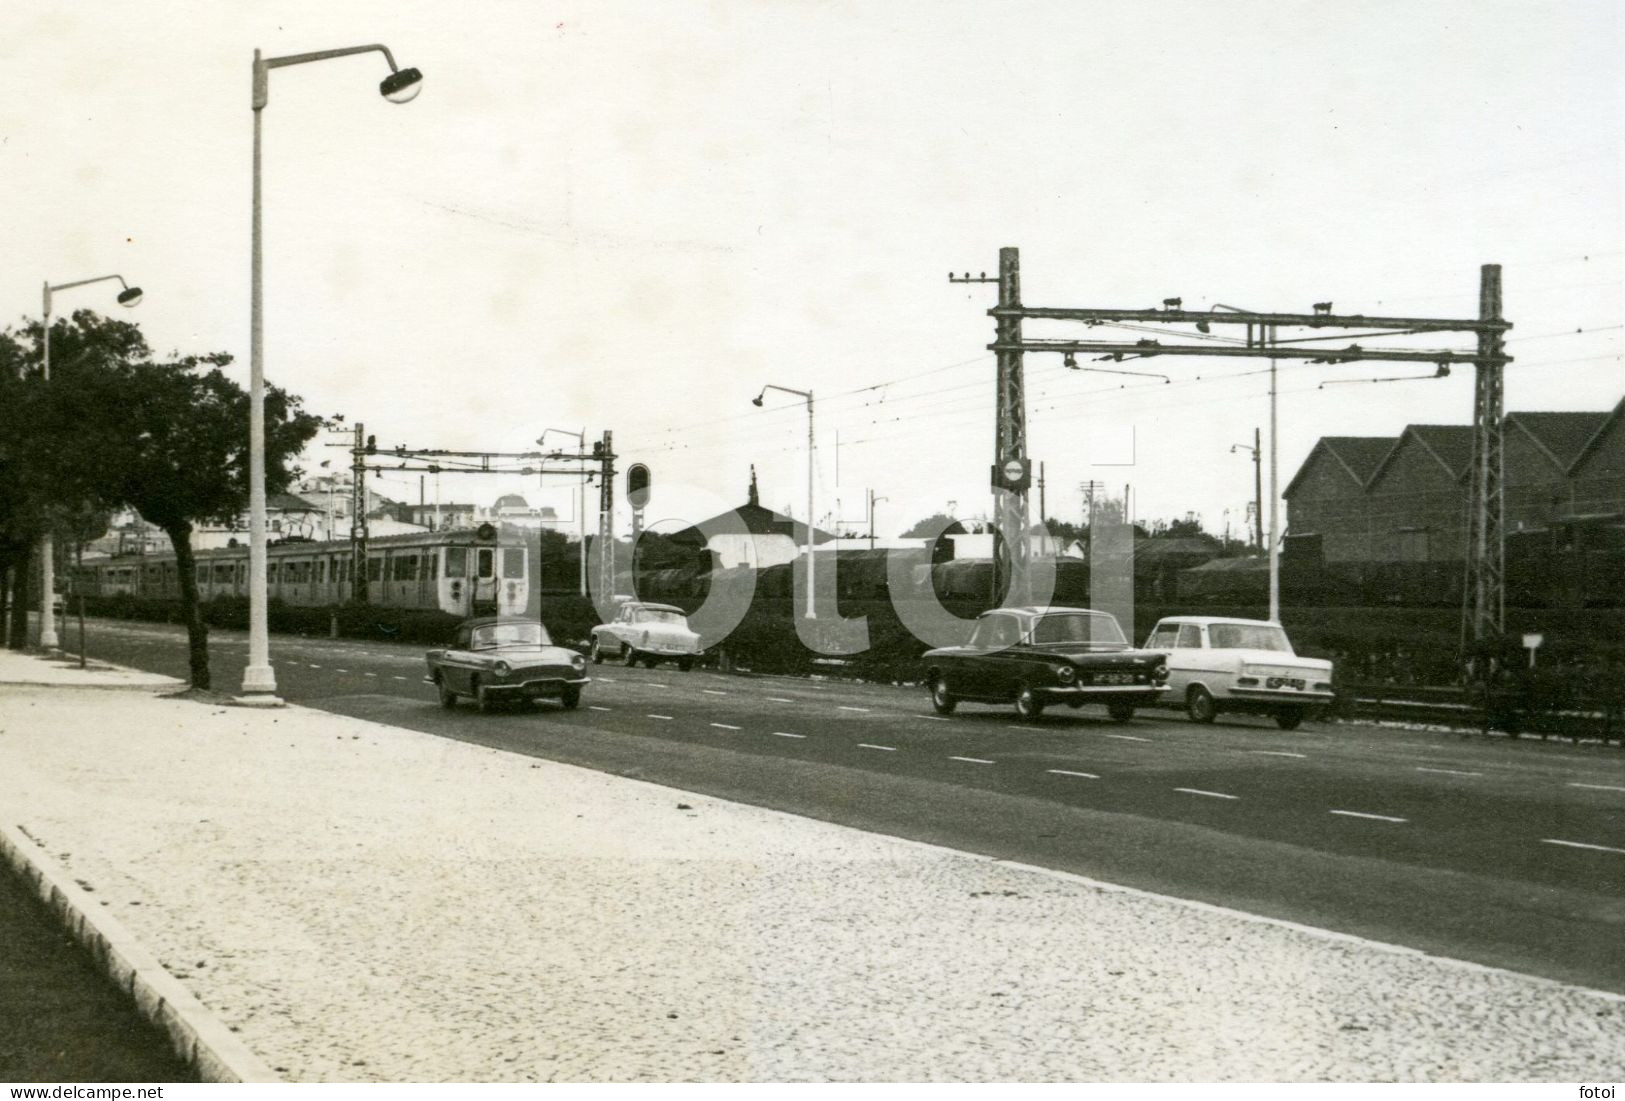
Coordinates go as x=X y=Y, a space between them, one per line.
x=1404 y=498
x=515 y=511
x=768 y=538
x=441 y=517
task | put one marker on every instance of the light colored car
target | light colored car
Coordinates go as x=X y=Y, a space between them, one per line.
x=1218 y=664
x=650 y=633
x=506 y=659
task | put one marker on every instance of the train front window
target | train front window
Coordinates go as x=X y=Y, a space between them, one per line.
x=456 y=562
x=513 y=563
x=487 y=566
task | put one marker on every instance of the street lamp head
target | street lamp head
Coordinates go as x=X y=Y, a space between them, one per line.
x=401 y=86
x=129 y=296
x=757 y=401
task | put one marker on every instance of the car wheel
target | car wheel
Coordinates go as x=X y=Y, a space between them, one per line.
x=942 y=700
x=571 y=698
x=629 y=656
x=685 y=664
x=1120 y=712
x=448 y=698
x=1028 y=705
x=1199 y=705
x=650 y=661
x=1289 y=718
x=484 y=699
x=597 y=653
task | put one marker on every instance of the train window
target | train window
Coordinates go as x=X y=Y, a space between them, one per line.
x=321 y=571
x=222 y=572
x=456 y=561
x=375 y=568
x=513 y=562
x=406 y=568
x=434 y=562
x=487 y=566
x=202 y=574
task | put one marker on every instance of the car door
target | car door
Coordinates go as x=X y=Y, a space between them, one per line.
x=1163 y=639
x=994 y=663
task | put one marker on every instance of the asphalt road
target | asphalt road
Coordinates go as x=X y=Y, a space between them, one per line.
x=1507 y=853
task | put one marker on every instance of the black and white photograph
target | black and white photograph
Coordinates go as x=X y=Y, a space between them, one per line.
x=812 y=541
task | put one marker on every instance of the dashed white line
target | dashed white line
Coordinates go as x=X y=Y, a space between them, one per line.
x=935 y=718
x=1597 y=787
x=844 y=707
x=724 y=726
x=657 y=717
x=1018 y=726
x=779 y=699
x=1127 y=738
x=593 y=707
x=1582 y=845
x=341 y=670
x=652 y=684
x=713 y=692
x=1069 y=772
x=365 y=674
x=1373 y=817
x=1449 y=771
x=972 y=760
x=887 y=748
x=607 y=680
x=787 y=734
x=397 y=678
x=315 y=666
x=1209 y=794
x=1276 y=753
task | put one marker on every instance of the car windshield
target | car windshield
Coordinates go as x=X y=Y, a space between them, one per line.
x=508 y=634
x=660 y=615
x=1248 y=636
x=1077 y=627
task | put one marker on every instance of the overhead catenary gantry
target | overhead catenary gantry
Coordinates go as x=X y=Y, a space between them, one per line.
x=1483 y=599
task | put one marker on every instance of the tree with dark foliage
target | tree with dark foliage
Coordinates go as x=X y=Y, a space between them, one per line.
x=116 y=429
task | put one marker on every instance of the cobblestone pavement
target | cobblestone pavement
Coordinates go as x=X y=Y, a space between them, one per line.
x=361 y=902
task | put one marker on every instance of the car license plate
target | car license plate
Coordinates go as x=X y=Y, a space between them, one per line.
x=1114 y=678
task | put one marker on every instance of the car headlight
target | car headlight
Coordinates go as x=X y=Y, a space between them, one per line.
x=579 y=662
x=502 y=669
x=1066 y=674
x=1160 y=673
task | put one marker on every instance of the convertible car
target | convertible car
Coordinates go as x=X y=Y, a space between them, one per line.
x=650 y=633
x=1039 y=656
x=505 y=659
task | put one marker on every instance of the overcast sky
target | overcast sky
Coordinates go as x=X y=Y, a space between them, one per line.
x=631 y=216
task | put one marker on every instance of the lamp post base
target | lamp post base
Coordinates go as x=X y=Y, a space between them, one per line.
x=259 y=682
x=48 y=641
x=258 y=699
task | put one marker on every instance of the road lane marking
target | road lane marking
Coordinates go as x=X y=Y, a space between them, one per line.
x=713 y=692
x=724 y=726
x=887 y=748
x=1373 y=817
x=844 y=707
x=607 y=680
x=657 y=716
x=1069 y=772
x=779 y=699
x=935 y=718
x=1127 y=738
x=1597 y=787
x=972 y=760
x=652 y=684
x=787 y=734
x=369 y=674
x=341 y=670
x=592 y=707
x=315 y=666
x=1449 y=771
x=1018 y=726
x=397 y=678
x=1582 y=845
x=1277 y=753
x=1210 y=794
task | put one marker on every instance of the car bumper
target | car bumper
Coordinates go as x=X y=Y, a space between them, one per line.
x=1085 y=691
x=1280 y=695
x=533 y=688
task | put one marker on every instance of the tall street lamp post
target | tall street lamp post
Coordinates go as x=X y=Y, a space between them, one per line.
x=400 y=86
x=805 y=395
x=129 y=296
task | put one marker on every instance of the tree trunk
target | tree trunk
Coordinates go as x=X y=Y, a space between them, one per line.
x=197 y=632
x=17 y=635
x=5 y=591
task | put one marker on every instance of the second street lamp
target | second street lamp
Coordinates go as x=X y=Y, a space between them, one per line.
x=805 y=395
x=402 y=85
x=129 y=296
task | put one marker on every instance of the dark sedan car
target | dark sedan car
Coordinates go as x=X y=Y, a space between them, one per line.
x=1039 y=656
x=506 y=659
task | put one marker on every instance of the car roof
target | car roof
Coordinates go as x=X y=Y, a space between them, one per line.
x=490 y=620
x=1208 y=620
x=1031 y=611
x=655 y=607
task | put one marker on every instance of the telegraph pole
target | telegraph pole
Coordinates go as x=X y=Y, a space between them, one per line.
x=606 y=518
x=1484 y=601
x=358 y=517
x=1258 y=491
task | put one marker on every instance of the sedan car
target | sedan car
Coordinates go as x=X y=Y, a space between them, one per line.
x=650 y=633
x=1217 y=664
x=506 y=659
x=1038 y=656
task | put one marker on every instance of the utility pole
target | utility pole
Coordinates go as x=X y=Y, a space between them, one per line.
x=1043 y=513
x=1484 y=600
x=606 y=518
x=358 y=517
x=1010 y=466
x=1258 y=491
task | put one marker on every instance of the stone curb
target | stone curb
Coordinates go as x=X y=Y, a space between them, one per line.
x=197 y=1035
x=167 y=686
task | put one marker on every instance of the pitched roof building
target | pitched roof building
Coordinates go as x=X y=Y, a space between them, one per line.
x=751 y=535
